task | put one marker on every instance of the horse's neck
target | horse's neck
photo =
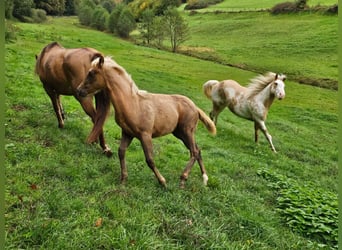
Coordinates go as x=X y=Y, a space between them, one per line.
x=266 y=97
x=122 y=97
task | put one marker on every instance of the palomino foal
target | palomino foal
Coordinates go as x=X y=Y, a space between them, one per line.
x=144 y=115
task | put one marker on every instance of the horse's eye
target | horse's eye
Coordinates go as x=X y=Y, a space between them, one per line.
x=275 y=83
x=91 y=74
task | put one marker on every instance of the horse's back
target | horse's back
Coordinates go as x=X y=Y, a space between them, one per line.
x=63 y=69
x=234 y=85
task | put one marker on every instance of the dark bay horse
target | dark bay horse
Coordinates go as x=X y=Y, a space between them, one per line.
x=61 y=71
x=144 y=115
x=251 y=102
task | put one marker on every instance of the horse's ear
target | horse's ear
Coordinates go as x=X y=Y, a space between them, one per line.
x=101 y=61
x=276 y=76
x=100 y=57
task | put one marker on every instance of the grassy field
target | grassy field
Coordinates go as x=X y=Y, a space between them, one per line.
x=64 y=194
x=302 y=46
x=232 y=5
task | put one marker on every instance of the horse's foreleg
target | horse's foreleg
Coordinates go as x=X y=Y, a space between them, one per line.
x=124 y=144
x=263 y=128
x=88 y=107
x=146 y=143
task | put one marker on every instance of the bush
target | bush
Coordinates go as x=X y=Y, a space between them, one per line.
x=11 y=31
x=114 y=18
x=200 y=4
x=126 y=23
x=121 y=21
x=9 y=5
x=85 y=14
x=38 y=15
x=99 y=18
x=289 y=7
x=22 y=9
x=196 y=4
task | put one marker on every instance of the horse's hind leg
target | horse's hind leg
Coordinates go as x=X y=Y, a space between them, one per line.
x=195 y=154
x=124 y=144
x=217 y=109
x=146 y=143
x=56 y=103
x=256 y=131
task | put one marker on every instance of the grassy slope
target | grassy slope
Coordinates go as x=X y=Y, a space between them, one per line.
x=232 y=5
x=57 y=187
x=302 y=46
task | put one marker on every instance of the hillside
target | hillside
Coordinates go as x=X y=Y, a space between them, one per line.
x=64 y=194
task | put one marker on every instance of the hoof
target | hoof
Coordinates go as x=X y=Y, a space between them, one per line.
x=162 y=182
x=205 y=179
x=108 y=152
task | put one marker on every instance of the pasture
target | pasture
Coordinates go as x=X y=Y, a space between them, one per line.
x=251 y=5
x=303 y=46
x=64 y=194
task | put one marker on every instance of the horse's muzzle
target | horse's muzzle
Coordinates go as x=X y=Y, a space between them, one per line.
x=81 y=92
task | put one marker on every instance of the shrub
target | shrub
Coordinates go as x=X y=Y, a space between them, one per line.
x=11 y=31
x=196 y=4
x=121 y=21
x=289 y=7
x=38 y=15
x=114 y=18
x=99 y=18
x=126 y=23
x=200 y=4
x=9 y=5
x=22 y=9
x=85 y=14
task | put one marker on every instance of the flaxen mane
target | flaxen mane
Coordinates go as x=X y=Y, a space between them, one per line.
x=110 y=63
x=259 y=83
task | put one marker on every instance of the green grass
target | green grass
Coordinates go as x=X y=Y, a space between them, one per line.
x=57 y=187
x=232 y=5
x=303 y=46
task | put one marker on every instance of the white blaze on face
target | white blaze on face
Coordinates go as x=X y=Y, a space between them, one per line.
x=279 y=90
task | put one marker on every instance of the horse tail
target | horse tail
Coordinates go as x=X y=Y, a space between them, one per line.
x=209 y=124
x=102 y=103
x=208 y=86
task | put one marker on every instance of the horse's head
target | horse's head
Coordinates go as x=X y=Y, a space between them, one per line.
x=278 y=86
x=95 y=80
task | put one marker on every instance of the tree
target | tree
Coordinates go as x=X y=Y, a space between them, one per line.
x=147 y=25
x=99 y=18
x=22 y=8
x=52 y=7
x=85 y=12
x=176 y=27
x=9 y=5
x=126 y=23
x=114 y=18
x=121 y=21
